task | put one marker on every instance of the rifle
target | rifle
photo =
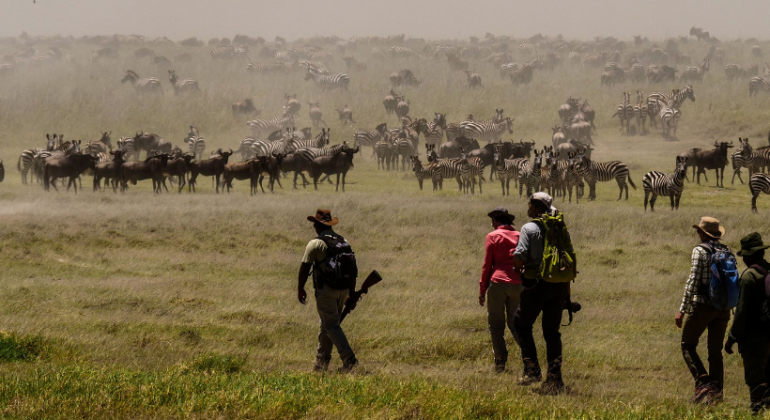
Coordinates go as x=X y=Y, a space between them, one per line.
x=372 y=279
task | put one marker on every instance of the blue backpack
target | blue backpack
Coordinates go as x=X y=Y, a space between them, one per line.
x=725 y=280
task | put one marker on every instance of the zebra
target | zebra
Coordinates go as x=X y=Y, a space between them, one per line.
x=738 y=163
x=434 y=132
x=127 y=144
x=557 y=172
x=224 y=52
x=573 y=179
x=625 y=113
x=183 y=85
x=594 y=172
x=335 y=81
x=402 y=52
x=447 y=168
x=675 y=100
x=507 y=169
x=756 y=160
x=268 y=148
x=759 y=84
x=369 y=137
x=316 y=66
x=321 y=140
x=671 y=185
x=470 y=170
x=758 y=183
x=267 y=67
x=404 y=148
x=431 y=172
x=147 y=85
x=640 y=112
x=27 y=162
x=490 y=132
x=384 y=150
x=260 y=127
x=669 y=119
x=197 y=146
x=529 y=174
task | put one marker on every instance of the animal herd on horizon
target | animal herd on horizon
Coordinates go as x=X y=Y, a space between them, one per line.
x=461 y=150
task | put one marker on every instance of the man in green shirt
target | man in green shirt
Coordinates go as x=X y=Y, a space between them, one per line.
x=751 y=326
x=329 y=301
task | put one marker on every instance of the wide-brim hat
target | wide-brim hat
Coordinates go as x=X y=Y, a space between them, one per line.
x=751 y=243
x=324 y=217
x=710 y=226
x=501 y=212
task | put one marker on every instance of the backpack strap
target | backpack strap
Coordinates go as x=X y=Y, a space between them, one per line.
x=759 y=268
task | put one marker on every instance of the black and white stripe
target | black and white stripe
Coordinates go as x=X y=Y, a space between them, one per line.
x=398 y=51
x=669 y=119
x=594 y=172
x=757 y=184
x=261 y=127
x=27 y=162
x=224 y=52
x=671 y=185
x=182 y=85
x=197 y=146
x=127 y=145
x=759 y=84
x=447 y=168
x=147 y=85
x=311 y=153
x=369 y=137
x=481 y=131
x=335 y=81
x=530 y=173
x=657 y=100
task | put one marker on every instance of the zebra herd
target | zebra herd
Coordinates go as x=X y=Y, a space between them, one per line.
x=659 y=107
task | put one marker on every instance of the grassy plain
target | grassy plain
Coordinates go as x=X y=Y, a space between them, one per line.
x=183 y=306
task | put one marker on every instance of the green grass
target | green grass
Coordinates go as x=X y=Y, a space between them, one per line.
x=183 y=306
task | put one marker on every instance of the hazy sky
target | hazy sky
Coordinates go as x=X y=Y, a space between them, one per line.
x=178 y=19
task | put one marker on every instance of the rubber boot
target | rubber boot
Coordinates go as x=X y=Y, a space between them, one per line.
x=757 y=395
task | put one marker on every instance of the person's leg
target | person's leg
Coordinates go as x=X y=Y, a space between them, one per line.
x=529 y=308
x=330 y=303
x=496 y=300
x=694 y=326
x=756 y=370
x=552 y=316
x=716 y=336
x=511 y=305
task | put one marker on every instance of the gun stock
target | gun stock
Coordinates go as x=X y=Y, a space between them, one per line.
x=372 y=279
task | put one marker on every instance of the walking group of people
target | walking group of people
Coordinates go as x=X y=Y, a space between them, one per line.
x=528 y=272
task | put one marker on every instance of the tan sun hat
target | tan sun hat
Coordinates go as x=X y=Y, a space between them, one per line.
x=324 y=217
x=710 y=226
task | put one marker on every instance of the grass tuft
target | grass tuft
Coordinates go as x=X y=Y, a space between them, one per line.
x=217 y=363
x=15 y=348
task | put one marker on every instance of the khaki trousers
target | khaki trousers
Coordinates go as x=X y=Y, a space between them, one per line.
x=330 y=303
x=702 y=318
x=502 y=301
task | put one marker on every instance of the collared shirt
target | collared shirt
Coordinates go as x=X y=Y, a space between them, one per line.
x=696 y=288
x=530 y=248
x=748 y=320
x=498 y=258
x=315 y=251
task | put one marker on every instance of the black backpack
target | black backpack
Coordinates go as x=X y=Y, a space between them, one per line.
x=341 y=269
x=765 y=317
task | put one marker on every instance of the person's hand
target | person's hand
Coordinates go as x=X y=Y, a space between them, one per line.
x=482 y=299
x=729 y=345
x=302 y=296
x=678 y=319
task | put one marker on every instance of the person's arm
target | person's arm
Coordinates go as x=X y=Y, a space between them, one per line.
x=738 y=329
x=486 y=269
x=522 y=249
x=304 y=272
x=691 y=287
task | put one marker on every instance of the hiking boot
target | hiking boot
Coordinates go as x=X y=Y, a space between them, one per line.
x=714 y=396
x=348 y=366
x=551 y=386
x=321 y=365
x=701 y=392
x=531 y=373
x=499 y=366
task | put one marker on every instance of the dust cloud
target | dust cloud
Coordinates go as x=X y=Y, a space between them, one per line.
x=431 y=19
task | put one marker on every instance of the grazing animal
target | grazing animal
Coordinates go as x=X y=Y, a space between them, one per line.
x=197 y=146
x=391 y=101
x=669 y=119
x=474 y=80
x=671 y=185
x=369 y=137
x=150 y=168
x=213 y=167
x=448 y=168
x=756 y=160
x=70 y=166
x=127 y=145
x=404 y=77
x=482 y=131
x=657 y=100
x=182 y=85
x=260 y=127
x=336 y=164
x=402 y=108
x=529 y=174
x=147 y=85
x=316 y=114
x=660 y=74
x=335 y=81
x=695 y=73
x=594 y=172
x=759 y=84
x=625 y=113
x=27 y=162
x=251 y=170
x=345 y=114
x=431 y=172
x=177 y=167
x=507 y=169
x=640 y=112
x=712 y=159
x=297 y=163
x=758 y=183
x=292 y=106
x=245 y=107
x=112 y=170
x=148 y=142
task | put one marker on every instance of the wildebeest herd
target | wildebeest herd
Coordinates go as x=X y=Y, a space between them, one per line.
x=461 y=149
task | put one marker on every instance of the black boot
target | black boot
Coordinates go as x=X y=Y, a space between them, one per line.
x=758 y=398
x=500 y=365
x=702 y=388
x=553 y=384
x=532 y=372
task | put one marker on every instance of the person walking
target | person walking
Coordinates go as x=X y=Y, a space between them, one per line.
x=751 y=323
x=696 y=315
x=330 y=292
x=500 y=285
x=539 y=296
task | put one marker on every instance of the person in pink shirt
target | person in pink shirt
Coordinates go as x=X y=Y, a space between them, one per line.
x=500 y=285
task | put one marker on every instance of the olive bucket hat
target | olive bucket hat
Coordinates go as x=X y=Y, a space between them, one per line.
x=751 y=243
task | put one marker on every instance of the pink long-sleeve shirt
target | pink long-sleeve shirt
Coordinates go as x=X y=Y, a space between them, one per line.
x=498 y=258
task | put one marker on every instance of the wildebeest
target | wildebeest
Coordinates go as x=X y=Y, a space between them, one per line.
x=251 y=170
x=213 y=167
x=659 y=74
x=474 y=79
x=453 y=149
x=147 y=142
x=404 y=77
x=558 y=136
x=150 y=168
x=391 y=101
x=70 y=165
x=337 y=164
x=522 y=149
x=272 y=166
x=245 y=107
x=177 y=166
x=346 y=115
x=571 y=146
x=316 y=114
x=402 y=108
x=292 y=106
x=109 y=171
x=715 y=159
x=580 y=131
x=295 y=162
x=486 y=154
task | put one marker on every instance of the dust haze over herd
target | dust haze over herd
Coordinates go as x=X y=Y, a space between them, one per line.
x=431 y=19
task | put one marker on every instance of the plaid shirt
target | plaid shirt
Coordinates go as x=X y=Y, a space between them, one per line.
x=696 y=289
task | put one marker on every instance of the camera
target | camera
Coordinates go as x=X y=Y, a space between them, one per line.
x=572 y=306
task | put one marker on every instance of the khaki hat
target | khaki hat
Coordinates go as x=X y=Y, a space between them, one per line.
x=710 y=226
x=323 y=217
x=751 y=243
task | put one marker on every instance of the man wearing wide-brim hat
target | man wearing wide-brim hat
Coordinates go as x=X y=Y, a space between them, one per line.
x=696 y=315
x=751 y=325
x=330 y=300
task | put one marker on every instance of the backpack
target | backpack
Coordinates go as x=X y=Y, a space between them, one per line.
x=559 y=264
x=766 y=304
x=724 y=286
x=341 y=269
